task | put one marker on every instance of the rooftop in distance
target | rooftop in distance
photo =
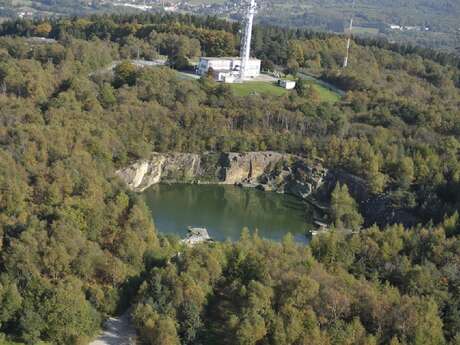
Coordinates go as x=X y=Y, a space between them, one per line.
x=208 y=58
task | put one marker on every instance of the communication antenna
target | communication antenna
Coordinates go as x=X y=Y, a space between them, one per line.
x=350 y=30
x=247 y=35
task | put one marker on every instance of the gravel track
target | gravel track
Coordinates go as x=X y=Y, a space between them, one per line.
x=117 y=331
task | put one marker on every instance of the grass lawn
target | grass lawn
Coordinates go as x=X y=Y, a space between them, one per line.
x=326 y=95
x=364 y=30
x=259 y=87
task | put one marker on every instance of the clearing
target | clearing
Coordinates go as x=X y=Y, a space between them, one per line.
x=326 y=93
x=257 y=87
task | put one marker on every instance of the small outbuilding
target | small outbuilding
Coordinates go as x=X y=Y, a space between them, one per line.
x=287 y=84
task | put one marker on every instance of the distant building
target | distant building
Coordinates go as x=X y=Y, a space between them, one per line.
x=408 y=28
x=172 y=8
x=136 y=6
x=412 y=28
x=226 y=69
x=287 y=84
x=41 y=40
x=25 y=14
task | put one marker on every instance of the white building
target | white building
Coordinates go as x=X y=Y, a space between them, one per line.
x=227 y=69
x=287 y=84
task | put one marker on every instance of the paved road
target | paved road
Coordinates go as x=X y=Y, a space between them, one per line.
x=137 y=63
x=118 y=331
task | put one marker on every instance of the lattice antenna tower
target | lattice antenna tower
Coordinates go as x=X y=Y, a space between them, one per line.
x=349 y=33
x=250 y=6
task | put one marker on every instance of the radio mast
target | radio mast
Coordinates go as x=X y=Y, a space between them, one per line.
x=350 y=30
x=247 y=36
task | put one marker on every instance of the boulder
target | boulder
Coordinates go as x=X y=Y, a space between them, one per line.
x=299 y=189
x=196 y=236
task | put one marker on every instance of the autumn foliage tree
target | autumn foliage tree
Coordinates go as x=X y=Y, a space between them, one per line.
x=344 y=210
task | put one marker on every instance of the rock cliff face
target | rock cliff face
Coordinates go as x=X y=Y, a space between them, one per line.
x=266 y=170
x=248 y=167
x=160 y=167
x=143 y=174
x=270 y=171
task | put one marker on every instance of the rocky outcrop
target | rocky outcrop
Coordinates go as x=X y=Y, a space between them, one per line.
x=269 y=171
x=143 y=174
x=179 y=166
x=196 y=236
x=160 y=167
x=265 y=170
x=248 y=167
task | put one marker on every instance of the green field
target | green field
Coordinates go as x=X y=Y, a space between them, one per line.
x=272 y=89
x=326 y=95
x=365 y=30
x=259 y=87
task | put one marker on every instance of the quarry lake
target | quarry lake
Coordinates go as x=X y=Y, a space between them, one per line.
x=225 y=211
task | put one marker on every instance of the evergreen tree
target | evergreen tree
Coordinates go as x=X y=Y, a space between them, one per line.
x=344 y=210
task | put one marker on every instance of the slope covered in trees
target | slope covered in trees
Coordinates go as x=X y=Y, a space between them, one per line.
x=76 y=246
x=431 y=23
x=428 y=23
x=379 y=287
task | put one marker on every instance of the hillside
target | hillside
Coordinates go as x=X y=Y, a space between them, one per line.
x=76 y=246
x=428 y=23
x=425 y=23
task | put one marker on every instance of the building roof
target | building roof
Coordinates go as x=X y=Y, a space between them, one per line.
x=222 y=70
x=225 y=58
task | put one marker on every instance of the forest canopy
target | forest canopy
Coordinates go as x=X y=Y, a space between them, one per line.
x=77 y=246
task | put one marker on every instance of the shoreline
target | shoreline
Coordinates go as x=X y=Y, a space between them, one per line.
x=317 y=212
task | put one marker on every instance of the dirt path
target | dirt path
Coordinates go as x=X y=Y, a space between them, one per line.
x=118 y=331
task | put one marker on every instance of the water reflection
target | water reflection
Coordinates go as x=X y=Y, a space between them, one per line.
x=225 y=210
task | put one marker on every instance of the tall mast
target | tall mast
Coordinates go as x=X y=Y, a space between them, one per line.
x=350 y=30
x=246 y=38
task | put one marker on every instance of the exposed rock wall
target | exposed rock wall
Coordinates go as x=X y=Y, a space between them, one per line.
x=270 y=171
x=143 y=174
x=179 y=166
x=248 y=167
x=160 y=167
x=266 y=170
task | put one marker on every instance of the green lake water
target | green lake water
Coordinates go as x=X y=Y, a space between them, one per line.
x=225 y=211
